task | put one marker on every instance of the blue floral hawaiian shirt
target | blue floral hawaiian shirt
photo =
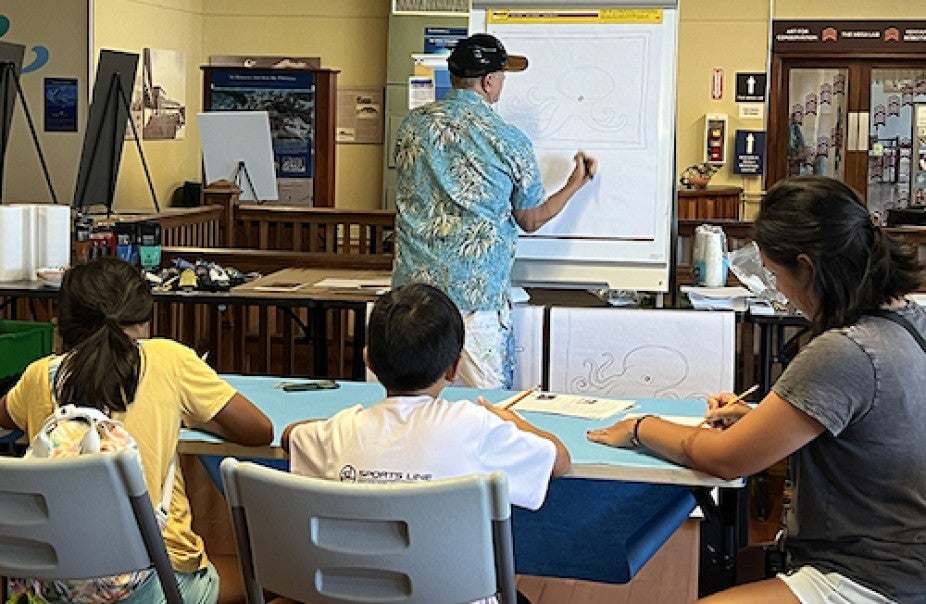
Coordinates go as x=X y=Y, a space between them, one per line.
x=461 y=171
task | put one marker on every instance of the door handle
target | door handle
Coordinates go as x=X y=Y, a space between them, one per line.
x=863 y=134
x=852 y=131
x=857 y=136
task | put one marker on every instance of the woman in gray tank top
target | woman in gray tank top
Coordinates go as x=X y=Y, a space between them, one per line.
x=849 y=411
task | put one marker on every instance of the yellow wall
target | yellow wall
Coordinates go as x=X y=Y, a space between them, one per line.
x=732 y=36
x=350 y=36
x=177 y=25
x=63 y=31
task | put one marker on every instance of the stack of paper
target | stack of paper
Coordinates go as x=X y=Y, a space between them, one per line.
x=717 y=298
x=379 y=286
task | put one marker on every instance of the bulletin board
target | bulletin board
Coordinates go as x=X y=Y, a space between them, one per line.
x=601 y=80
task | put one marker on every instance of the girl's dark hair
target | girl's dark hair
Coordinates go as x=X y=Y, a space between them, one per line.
x=857 y=266
x=414 y=335
x=102 y=363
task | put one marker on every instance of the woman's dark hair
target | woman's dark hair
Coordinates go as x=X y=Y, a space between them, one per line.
x=414 y=335
x=102 y=363
x=857 y=266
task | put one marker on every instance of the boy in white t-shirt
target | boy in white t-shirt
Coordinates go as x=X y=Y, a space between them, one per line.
x=414 y=342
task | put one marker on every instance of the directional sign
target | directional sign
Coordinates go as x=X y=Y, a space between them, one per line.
x=750 y=87
x=749 y=157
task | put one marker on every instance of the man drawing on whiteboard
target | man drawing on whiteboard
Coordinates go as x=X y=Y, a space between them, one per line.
x=466 y=180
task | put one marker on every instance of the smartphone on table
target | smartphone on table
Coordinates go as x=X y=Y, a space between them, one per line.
x=313 y=385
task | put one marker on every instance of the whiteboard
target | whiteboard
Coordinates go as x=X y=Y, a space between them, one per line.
x=605 y=86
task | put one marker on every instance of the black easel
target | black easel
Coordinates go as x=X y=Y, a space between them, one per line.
x=116 y=93
x=236 y=178
x=8 y=72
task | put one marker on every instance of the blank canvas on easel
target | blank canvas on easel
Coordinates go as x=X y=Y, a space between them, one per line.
x=232 y=137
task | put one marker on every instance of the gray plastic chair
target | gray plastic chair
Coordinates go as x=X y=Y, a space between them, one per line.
x=79 y=518
x=317 y=540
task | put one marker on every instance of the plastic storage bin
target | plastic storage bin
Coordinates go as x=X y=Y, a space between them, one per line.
x=22 y=342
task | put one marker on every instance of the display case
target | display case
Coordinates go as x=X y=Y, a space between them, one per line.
x=302 y=107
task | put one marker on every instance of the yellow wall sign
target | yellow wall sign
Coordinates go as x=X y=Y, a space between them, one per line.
x=582 y=16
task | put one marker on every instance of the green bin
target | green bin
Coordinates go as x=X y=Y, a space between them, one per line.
x=22 y=342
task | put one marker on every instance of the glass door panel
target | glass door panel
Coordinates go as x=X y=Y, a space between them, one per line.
x=896 y=139
x=817 y=121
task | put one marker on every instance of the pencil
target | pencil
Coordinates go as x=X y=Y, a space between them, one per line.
x=588 y=167
x=518 y=397
x=741 y=395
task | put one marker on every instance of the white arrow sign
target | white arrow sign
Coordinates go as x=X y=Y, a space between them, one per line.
x=750 y=85
x=750 y=143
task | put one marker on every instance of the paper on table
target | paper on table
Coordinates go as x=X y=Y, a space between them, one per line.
x=379 y=285
x=685 y=420
x=589 y=407
x=736 y=291
x=279 y=286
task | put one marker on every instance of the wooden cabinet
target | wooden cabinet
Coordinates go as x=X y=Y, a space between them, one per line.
x=302 y=104
x=713 y=203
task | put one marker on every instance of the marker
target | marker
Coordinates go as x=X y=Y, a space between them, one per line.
x=588 y=166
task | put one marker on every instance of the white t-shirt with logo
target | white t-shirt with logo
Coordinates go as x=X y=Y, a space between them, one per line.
x=413 y=438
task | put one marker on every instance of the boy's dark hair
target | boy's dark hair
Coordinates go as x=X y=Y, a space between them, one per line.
x=414 y=335
x=857 y=266
x=102 y=365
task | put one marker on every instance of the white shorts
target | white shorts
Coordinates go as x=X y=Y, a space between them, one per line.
x=814 y=587
x=488 y=350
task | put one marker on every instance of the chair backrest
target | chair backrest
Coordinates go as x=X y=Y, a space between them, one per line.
x=326 y=541
x=79 y=518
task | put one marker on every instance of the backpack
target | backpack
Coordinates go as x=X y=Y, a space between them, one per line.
x=73 y=430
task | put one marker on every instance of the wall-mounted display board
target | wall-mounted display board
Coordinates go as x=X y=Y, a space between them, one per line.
x=601 y=78
x=302 y=105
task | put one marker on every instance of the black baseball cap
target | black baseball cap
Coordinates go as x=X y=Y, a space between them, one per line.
x=480 y=54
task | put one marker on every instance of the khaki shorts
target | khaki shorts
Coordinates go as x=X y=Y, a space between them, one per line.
x=814 y=587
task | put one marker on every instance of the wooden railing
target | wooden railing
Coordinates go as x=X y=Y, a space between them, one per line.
x=256 y=238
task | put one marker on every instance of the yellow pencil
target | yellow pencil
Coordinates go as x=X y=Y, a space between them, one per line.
x=518 y=397
x=741 y=395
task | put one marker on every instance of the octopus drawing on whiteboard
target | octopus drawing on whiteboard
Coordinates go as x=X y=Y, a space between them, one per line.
x=634 y=373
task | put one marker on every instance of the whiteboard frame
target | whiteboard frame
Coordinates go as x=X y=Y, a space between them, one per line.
x=640 y=265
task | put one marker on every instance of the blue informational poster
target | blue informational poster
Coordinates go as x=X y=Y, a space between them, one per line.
x=441 y=40
x=61 y=104
x=289 y=98
x=750 y=152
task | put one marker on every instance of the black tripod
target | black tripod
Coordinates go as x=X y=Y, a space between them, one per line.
x=8 y=73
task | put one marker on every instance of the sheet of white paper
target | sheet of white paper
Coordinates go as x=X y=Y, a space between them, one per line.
x=588 y=407
x=631 y=352
x=376 y=284
x=685 y=420
x=736 y=291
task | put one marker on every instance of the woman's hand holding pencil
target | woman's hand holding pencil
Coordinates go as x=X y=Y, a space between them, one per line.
x=724 y=410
